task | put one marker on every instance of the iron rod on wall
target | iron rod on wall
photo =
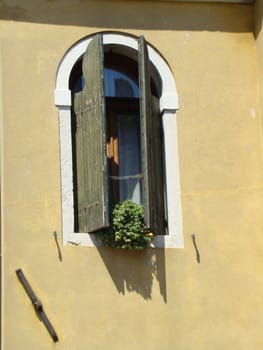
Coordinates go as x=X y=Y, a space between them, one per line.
x=37 y=304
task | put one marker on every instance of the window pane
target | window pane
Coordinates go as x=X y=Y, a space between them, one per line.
x=117 y=84
x=78 y=84
x=129 y=158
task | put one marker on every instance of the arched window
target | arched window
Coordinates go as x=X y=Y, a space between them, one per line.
x=116 y=137
x=116 y=131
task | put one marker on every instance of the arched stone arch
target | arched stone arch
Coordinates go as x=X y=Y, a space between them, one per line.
x=168 y=107
x=168 y=98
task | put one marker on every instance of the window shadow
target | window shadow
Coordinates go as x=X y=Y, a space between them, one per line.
x=136 y=271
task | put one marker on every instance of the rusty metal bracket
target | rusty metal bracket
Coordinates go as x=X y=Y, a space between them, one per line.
x=37 y=304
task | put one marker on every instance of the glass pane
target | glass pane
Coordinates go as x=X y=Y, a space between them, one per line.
x=117 y=84
x=78 y=84
x=129 y=158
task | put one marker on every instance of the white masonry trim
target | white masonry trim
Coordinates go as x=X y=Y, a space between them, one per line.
x=168 y=106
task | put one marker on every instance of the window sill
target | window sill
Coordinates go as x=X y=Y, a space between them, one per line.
x=92 y=240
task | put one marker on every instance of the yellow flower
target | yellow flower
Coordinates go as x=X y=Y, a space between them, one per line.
x=149 y=234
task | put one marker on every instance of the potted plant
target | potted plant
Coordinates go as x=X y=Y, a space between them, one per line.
x=127 y=227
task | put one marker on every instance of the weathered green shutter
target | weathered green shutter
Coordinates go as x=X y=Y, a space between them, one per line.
x=151 y=145
x=91 y=160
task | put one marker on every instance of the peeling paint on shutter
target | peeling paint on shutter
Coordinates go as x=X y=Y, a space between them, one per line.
x=151 y=145
x=92 y=177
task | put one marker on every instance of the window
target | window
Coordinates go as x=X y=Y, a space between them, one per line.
x=125 y=128
x=124 y=149
x=117 y=146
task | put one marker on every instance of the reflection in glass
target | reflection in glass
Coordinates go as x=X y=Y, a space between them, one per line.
x=129 y=158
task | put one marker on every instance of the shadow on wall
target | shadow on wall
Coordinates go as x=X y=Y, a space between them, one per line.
x=258 y=17
x=132 y=14
x=135 y=271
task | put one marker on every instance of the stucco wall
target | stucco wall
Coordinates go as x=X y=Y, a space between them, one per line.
x=158 y=299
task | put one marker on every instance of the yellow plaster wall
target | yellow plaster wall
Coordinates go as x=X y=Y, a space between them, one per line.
x=158 y=299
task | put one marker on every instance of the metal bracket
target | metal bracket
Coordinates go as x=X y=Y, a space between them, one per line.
x=37 y=304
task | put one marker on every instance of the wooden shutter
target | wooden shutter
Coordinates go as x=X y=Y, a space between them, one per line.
x=91 y=161
x=151 y=145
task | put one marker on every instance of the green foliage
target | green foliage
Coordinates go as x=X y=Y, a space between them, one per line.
x=127 y=227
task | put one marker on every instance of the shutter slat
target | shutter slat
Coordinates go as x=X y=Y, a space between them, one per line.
x=92 y=188
x=151 y=144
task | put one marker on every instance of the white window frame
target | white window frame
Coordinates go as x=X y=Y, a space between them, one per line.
x=168 y=108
